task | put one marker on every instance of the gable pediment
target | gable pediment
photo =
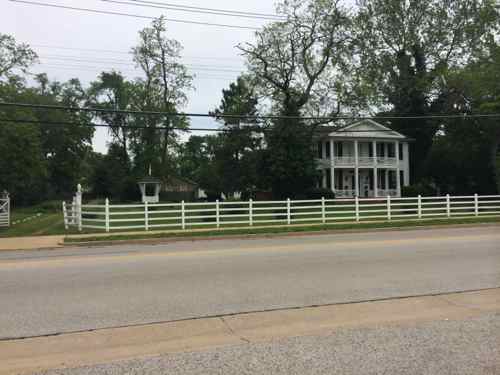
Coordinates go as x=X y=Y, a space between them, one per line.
x=366 y=129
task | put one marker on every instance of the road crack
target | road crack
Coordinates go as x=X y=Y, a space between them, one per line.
x=232 y=331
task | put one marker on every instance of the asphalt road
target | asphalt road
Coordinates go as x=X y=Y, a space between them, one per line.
x=50 y=292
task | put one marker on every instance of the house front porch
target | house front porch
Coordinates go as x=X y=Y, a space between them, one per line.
x=371 y=183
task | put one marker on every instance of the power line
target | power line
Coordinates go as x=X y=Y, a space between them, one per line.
x=127 y=62
x=96 y=70
x=210 y=9
x=88 y=10
x=126 y=53
x=237 y=116
x=195 y=67
x=91 y=124
x=219 y=130
x=220 y=12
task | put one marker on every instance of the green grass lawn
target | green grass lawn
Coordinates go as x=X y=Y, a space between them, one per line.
x=282 y=230
x=43 y=219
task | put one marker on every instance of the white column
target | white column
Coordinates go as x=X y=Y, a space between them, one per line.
x=398 y=169
x=387 y=179
x=323 y=182
x=356 y=168
x=332 y=167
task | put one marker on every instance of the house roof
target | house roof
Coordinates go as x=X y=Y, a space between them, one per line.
x=175 y=179
x=363 y=129
x=149 y=180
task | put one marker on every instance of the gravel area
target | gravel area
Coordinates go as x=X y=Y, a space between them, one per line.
x=440 y=347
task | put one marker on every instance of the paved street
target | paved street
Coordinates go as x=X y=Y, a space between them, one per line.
x=70 y=290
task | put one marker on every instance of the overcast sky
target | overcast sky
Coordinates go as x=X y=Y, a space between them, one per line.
x=209 y=50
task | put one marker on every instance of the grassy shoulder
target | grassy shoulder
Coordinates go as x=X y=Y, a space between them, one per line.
x=276 y=230
x=40 y=220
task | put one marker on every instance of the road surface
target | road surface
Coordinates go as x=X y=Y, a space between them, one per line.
x=61 y=291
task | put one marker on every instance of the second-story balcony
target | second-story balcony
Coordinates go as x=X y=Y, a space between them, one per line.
x=363 y=161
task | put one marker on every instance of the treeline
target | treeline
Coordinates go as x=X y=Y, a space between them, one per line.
x=384 y=57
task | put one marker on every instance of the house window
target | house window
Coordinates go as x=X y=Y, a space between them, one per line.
x=400 y=151
x=320 y=150
x=327 y=150
x=401 y=179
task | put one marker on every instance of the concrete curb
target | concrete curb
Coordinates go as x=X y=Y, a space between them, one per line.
x=250 y=236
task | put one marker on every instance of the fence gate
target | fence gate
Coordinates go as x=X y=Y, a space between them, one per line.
x=4 y=212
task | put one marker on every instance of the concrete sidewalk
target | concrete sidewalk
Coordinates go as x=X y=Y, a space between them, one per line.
x=86 y=348
x=31 y=243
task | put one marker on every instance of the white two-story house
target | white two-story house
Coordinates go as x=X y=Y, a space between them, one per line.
x=364 y=159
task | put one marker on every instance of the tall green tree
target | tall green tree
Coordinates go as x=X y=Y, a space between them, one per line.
x=405 y=49
x=111 y=91
x=471 y=143
x=288 y=62
x=236 y=159
x=163 y=89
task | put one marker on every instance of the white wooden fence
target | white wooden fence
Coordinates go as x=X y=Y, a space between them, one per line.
x=123 y=217
x=4 y=212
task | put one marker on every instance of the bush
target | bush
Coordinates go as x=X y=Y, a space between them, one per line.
x=212 y=196
x=316 y=193
x=424 y=189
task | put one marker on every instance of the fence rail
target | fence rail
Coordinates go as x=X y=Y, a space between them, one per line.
x=4 y=212
x=109 y=217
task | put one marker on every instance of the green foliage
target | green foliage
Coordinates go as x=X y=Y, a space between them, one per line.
x=423 y=188
x=14 y=56
x=112 y=179
x=407 y=47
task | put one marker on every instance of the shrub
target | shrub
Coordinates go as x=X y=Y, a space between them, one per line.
x=316 y=193
x=424 y=189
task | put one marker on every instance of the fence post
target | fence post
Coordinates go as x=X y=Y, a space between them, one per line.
x=356 y=207
x=65 y=215
x=146 y=216
x=217 y=213
x=79 y=206
x=389 y=208
x=476 y=205
x=250 y=211
x=448 y=209
x=419 y=204
x=323 y=211
x=74 y=211
x=8 y=210
x=106 y=213
x=288 y=212
x=183 y=215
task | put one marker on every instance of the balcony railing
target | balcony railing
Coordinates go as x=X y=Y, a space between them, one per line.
x=362 y=161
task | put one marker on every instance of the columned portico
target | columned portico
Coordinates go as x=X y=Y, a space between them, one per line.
x=374 y=164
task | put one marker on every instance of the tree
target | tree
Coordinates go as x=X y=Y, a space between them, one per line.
x=63 y=147
x=287 y=63
x=475 y=142
x=14 y=56
x=235 y=158
x=23 y=169
x=111 y=178
x=405 y=49
x=112 y=91
x=197 y=159
x=163 y=89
